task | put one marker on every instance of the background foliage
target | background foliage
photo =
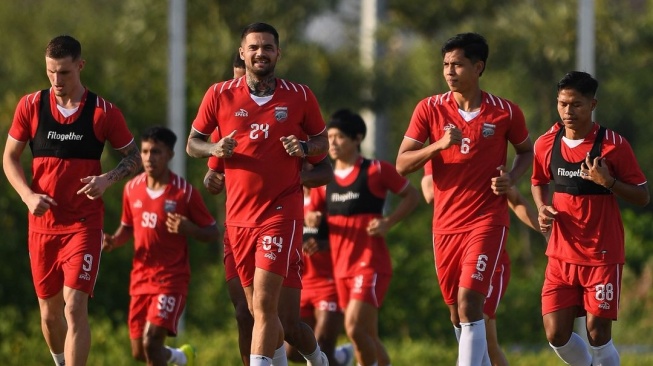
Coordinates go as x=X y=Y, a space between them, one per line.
x=532 y=46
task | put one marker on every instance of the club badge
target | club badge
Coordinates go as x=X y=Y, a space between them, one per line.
x=488 y=129
x=281 y=113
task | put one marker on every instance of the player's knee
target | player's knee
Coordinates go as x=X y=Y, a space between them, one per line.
x=557 y=337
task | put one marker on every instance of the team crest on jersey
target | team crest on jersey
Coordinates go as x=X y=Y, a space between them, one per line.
x=170 y=206
x=488 y=129
x=281 y=113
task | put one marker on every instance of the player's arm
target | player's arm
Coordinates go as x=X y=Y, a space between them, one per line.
x=522 y=162
x=522 y=209
x=122 y=235
x=427 y=188
x=317 y=145
x=214 y=181
x=409 y=200
x=37 y=204
x=316 y=175
x=130 y=164
x=180 y=224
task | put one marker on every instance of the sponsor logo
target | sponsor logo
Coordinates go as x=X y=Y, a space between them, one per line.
x=478 y=276
x=163 y=314
x=280 y=113
x=604 y=306
x=271 y=256
x=310 y=230
x=170 y=206
x=71 y=136
x=241 y=113
x=562 y=172
x=449 y=126
x=344 y=197
x=138 y=204
x=488 y=129
x=85 y=276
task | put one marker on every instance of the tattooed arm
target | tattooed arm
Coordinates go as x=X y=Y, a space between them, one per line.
x=129 y=165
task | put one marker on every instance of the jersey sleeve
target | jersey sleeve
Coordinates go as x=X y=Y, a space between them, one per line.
x=419 y=127
x=541 y=174
x=318 y=199
x=518 y=132
x=115 y=128
x=383 y=177
x=126 y=218
x=205 y=122
x=624 y=163
x=20 y=129
x=313 y=121
x=199 y=214
x=428 y=168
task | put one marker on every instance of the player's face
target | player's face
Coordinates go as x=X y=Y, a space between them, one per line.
x=156 y=156
x=460 y=73
x=260 y=53
x=341 y=146
x=575 y=109
x=63 y=74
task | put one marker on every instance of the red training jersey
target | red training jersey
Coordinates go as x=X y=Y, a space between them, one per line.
x=161 y=262
x=587 y=229
x=352 y=250
x=60 y=178
x=463 y=196
x=261 y=179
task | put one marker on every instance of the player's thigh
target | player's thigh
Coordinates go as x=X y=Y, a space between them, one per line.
x=80 y=259
x=164 y=311
x=44 y=263
x=484 y=246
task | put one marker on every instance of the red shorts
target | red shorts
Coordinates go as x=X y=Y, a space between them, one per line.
x=319 y=296
x=228 y=259
x=468 y=259
x=370 y=288
x=498 y=287
x=162 y=310
x=274 y=247
x=596 y=289
x=59 y=260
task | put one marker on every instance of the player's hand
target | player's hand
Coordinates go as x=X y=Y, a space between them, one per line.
x=293 y=146
x=214 y=182
x=596 y=171
x=177 y=224
x=225 y=147
x=310 y=246
x=378 y=227
x=313 y=218
x=94 y=186
x=38 y=204
x=502 y=183
x=545 y=217
x=452 y=136
x=107 y=243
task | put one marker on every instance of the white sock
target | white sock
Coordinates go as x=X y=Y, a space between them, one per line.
x=58 y=359
x=473 y=346
x=457 y=331
x=340 y=355
x=259 y=360
x=177 y=356
x=575 y=352
x=279 y=358
x=605 y=355
x=315 y=357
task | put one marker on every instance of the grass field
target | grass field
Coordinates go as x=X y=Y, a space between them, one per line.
x=111 y=347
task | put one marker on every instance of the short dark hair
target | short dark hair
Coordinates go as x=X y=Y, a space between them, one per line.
x=349 y=123
x=160 y=134
x=580 y=81
x=260 y=28
x=238 y=62
x=474 y=46
x=64 y=46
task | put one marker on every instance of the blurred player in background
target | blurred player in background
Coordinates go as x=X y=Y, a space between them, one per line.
x=160 y=211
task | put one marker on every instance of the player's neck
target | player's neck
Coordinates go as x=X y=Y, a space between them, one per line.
x=469 y=101
x=346 y=162
x=157 y=182
x=261 y=87
x=72 y=99
x=579 y=133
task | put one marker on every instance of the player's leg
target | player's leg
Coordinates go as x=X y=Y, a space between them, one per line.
x=497 y=357
x=569 y=346
x=358 y=319
x=500 y=281
x=136 y=321
x=163 y=314
x=599 y=334
x=154 y=338
x=53 y=325
x=298 y=333
x=602 y=290
x=244 y=319
x=291 y=351
x=328 y=326
x=78 y=337
x=80 y=258
x=267 y=334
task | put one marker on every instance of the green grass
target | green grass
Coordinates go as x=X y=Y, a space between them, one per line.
x=110 y=346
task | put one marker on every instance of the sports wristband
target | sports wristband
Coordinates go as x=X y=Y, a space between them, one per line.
x=304 y=146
